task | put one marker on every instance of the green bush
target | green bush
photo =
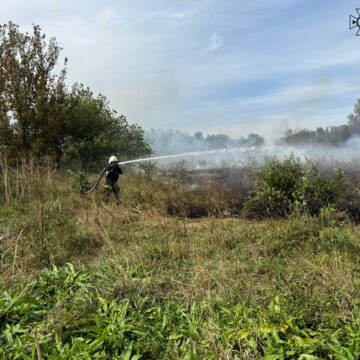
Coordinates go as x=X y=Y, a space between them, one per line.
x=288 y=185
x=349 y=203
x=316 y=191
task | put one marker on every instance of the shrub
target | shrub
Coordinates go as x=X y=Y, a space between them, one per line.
x=349 y=203
x=275 y=191
x=287 y=185
x=317 y=190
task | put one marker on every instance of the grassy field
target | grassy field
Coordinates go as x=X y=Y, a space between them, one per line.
x=85 y=277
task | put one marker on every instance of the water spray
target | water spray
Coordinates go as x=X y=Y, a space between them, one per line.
x=194 y=153
x=182 y=155
x=347 y=153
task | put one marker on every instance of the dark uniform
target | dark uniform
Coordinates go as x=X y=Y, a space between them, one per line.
x=113 y=172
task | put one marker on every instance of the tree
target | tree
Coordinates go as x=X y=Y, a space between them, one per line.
x=218 y=141
x=33 y=99
x=354 y=118
x=92 y=132
x=40 y=116
x=254 y=140
x=199 y=136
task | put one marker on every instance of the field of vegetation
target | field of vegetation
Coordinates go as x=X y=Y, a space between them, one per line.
x=255 y=262
x=244 y=263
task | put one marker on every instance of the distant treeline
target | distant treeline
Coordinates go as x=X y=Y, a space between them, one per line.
x=334 y=135
x=175 y=141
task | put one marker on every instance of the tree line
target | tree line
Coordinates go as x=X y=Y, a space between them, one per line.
x=173 y=142
x=40 y=116
x=334 y=135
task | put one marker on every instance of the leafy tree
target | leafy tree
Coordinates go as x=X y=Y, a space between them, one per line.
x=32 y=97
x=93 y=131
x=39 y=116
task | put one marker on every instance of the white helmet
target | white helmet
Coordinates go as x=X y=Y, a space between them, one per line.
x=112 y=158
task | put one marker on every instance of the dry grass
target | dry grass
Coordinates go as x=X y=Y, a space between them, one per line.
x=44 y=221
x=208 y=266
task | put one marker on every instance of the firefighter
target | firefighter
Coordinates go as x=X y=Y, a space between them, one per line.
x=113 y=171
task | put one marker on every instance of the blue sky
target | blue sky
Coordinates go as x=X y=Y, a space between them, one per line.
x=231 y=66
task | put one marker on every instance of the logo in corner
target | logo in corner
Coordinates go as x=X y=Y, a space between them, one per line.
x=354 y=22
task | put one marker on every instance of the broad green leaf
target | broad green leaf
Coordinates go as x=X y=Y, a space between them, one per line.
x=242 y=334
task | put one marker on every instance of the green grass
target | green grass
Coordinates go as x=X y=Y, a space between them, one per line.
x=146 y=285
x=78 y=315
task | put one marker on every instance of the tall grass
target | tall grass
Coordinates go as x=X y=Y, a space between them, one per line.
x=149 y=282
x=26 y=181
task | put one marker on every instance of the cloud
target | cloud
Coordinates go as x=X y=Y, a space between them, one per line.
x=301 y=94
x=177 y=15
x=106 y=15
x=215 y=42
x=152 y=58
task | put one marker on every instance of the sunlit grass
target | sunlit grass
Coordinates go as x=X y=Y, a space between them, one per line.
x=147 y=285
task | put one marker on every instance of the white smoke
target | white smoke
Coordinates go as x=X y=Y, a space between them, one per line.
x=349 y=153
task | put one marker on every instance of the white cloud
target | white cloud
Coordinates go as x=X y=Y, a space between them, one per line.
x=106 y=15
x=301 y=94
x=215 y=42
x=178 y=15
x=152 y=59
